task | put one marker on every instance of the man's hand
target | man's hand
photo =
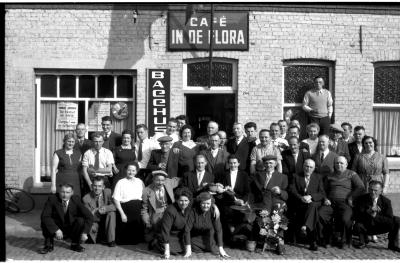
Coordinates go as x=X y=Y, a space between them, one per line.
x=59 y=234
x=84 y=237
x=162 y=166
x=327 y=202
x=306 y=199
x=124 y=218
x=102 y=210
x=91 y=171
x=276 y=190
x=115 y=169
x=350 y=202
x=176 y=150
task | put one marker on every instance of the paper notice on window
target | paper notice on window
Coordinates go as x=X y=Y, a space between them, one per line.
x=67 y=115
x=97 y=111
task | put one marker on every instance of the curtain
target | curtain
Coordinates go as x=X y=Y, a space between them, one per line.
x=51 y=139
x=387 y=129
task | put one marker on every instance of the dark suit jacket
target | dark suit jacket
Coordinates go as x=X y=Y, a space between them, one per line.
x=172 y=162
x=315 y=187
x=218 y=165
x=341 y=149
x=289 y=167
x=242 y=151
x=353 y=151
x=326 y=167
x=86 y=145
x=113 y=141
x=364 y=202
x=241 y=187
x=52 y=217
x=264 y=195
x=190 y=181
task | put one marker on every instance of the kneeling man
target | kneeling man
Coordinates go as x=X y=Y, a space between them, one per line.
x=99 y=202
x=64 y=215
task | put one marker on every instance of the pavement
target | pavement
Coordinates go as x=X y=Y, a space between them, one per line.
x=24 y=239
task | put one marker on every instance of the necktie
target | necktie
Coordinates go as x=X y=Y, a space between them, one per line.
x=307 y=179
x=140 y=151
x=267 y=180
x=199 y=178
x=322 y=157
x=96 y=161
x=99 y=201
x=375 y=203
x=105 y=136
x=65 y=206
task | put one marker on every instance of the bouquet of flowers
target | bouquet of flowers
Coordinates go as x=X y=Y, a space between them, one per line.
x=272 y=226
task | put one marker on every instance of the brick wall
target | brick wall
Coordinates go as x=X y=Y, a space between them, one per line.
x=108 y=39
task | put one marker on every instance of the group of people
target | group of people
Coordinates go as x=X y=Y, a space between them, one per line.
x=181 y=195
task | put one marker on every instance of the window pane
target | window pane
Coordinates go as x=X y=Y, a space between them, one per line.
x=67 y=86
x=387 y=85
x=124 y=87
x=86 y=86
x=105 y=86
x=48 y=86
x=197 y=74
x=299 y=79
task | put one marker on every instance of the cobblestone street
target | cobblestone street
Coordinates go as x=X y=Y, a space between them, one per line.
x=24 y=239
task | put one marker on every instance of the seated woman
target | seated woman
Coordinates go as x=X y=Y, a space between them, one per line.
x=127 y=199
x=172 y=226
x=201 y=227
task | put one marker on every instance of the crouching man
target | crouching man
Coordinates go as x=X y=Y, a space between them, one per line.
x=99 y=202
x=63 y=216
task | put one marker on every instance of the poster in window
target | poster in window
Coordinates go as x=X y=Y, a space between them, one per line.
x=97 y=111
x=67 y=115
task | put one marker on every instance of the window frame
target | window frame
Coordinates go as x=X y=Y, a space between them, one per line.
x=383 y=105
x=76 y=72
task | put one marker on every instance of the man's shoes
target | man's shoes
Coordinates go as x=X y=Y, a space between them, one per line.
x=77 y=248
x=112 y=244
x=46 y=249
x=394 y=248
x=360 y=245
x=313 y=246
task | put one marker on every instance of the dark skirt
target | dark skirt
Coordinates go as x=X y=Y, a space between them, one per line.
x=130 y=232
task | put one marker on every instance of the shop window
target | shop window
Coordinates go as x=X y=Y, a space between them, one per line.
x=86 y=86
x=387 y=107
x=90 y=92
x=298 y=79
x=68 y=86
x=48 y=86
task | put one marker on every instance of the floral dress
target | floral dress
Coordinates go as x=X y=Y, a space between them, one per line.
x=370 y=167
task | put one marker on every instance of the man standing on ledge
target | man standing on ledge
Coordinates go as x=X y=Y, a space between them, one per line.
x=318 y=103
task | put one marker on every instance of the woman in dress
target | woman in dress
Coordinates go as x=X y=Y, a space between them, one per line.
x=312 y=140
x=173 y=223
x=371 y=165
x=123 y=154
x=187 y=150
x=127 y=199
x=65 y=166
x=201 y=227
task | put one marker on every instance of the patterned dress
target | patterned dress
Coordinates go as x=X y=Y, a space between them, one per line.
x=370 y=168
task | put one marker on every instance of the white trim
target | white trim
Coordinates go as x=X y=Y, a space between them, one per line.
x=115 y=86
x=36 y=176
x=96 y=86
x=76 y=86
x=385 y=106
x=58 y=86
x=292 y=104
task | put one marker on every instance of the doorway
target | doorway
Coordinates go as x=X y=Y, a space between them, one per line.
x=201 y=108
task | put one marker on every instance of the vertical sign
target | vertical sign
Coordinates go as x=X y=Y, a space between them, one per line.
x=159 y=96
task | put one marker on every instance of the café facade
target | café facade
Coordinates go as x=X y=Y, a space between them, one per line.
x=74 y=63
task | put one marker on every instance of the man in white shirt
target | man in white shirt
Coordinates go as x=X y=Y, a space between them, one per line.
x=97 y=161
x=144 y=145
x=275 y=133
x=171 y=131
x=283 y=127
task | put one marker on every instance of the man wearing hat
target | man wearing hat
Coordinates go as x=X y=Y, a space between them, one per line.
x=269 y=186
x=155 y=199
x=336 y=143
x=160 y=159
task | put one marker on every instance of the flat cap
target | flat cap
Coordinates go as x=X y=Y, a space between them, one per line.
x=269 y=157
x=165 y=139
x=336 y=127
x=159 y=172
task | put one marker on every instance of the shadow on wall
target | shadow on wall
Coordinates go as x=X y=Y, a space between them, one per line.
x=127 y=39
x=28 y=184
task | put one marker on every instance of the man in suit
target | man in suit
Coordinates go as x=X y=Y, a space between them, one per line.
x=222 y=136
x=293 y=158
x=347 y=130
x=111 y=139
x=217 y=158
x=199 y=179
x=373 y=215
x=64 y=215
x=99 y=202
x=239 y=146
x=82 y=144
x=155 y=199
x=203 y=141
x=356 y=146
x=336 y=143
x=307 y=190
x=250 y=129
x=324 y=158
x=161 y=159
x=295 y=131
x=268 y=187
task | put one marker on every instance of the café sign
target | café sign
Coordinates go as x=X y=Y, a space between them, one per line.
x=230 y=31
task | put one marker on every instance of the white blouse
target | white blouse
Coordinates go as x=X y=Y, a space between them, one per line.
x=127 y=190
